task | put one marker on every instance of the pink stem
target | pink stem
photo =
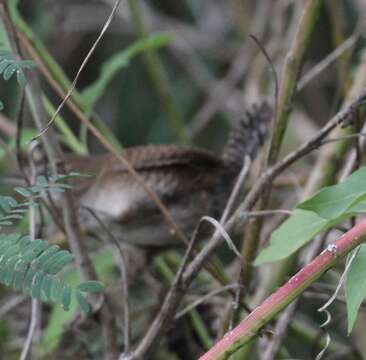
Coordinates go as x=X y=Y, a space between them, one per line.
x=276 y=302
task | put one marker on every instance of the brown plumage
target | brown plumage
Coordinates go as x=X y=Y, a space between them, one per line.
x=189 y=181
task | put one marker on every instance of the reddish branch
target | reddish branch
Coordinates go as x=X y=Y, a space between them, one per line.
x=250 y=326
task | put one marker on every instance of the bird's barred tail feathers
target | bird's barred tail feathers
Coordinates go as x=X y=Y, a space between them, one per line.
x=248 y=136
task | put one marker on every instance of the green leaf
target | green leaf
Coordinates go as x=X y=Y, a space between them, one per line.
x=21 y=78
x=19 y=277
x=4 y=64
x=35 y=248
x=9 y=270
x=12 y=217
x=10 y=66
x=35 y=289
x=83 y=303
x=46 y=287
x=1 y=106
x=6 y=203
x=319 y=213
x=291 y=235
x=56 y=290
x=355 y=286
x=66 y=297
x=51 y=336
x=5 y=223
x=23 y=191
x=54 y=259
x=39 y=262
x=42 y=181
x=91 y=286
x=59 y=179
x=10 y=70
x=23 y=244
x=64 y=257
x=333 y=201
x=9 y=252
x=120 y=60
x=298 y=230
x=28 y=280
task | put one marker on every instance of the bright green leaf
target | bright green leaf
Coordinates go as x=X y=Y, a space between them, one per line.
x=28 y=280
x=83 y=303
x=91 y=286
x=54 y=259
x=9 y=270
x=9 y=71
x=333 y=201
x=35 y=290
x=56 y=290
x=46 y=287
x=291 y=235
x=4 y=64
x=21 y=78
x=66 y=297
x=104 y=263
x=19 y=278
x=43 y=258
x=23 y=191
x=355 y=286
x=64 y=258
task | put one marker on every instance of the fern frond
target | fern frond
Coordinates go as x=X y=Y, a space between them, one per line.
x=33 y=266
x=10 y=66
x=12 y=210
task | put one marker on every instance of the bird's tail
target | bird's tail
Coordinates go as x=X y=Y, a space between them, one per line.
x=248 y=136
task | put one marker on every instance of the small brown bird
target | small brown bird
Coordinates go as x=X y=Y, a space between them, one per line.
x=191 y=182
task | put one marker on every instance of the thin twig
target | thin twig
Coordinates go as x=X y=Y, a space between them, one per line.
x=124 y=281
x=251 y=214
x=236 y=190
x=328 y=60
x=268 y=176
x=342 y=138
x=289 y=76
x=83 y=64
x=350 y=162
x=12 y=303
x=18 y=136
x=32 y=327
x=203 y=299
x=273 y=71
x=239 y=65
x=224 y=235
x=94 y=130
x=168 y=307
x=173 y=297
x=280 y=332
x=323 y=174
x=35 y=307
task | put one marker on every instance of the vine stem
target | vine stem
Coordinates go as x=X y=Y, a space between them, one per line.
x=276 y=302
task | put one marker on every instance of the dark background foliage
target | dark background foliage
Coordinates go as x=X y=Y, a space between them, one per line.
x=213 y=70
